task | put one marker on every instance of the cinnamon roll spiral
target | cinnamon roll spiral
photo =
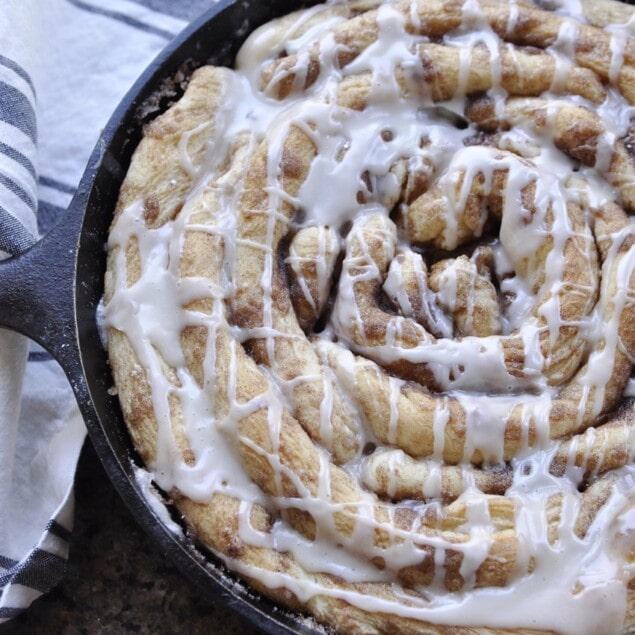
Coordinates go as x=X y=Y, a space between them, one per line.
x=370 y=302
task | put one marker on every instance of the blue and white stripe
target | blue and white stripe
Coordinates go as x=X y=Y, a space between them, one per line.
x=18 y=147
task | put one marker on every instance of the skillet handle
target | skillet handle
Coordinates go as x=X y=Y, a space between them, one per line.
x=37 y=290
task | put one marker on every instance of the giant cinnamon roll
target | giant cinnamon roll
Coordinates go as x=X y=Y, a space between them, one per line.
x=371 y=312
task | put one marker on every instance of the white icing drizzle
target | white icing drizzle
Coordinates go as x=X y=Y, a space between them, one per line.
x=562 y=581
x=618 y=43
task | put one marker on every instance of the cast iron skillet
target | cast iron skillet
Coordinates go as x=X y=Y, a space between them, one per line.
x=51 y=292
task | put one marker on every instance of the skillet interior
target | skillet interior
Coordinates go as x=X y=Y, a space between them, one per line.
x=204 y=41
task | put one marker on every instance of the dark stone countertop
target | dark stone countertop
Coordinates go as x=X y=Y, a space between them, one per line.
x=116 y=580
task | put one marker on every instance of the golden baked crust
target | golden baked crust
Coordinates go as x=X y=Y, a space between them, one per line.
x=371 y=315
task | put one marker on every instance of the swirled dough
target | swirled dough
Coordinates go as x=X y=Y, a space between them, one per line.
x=370 y=303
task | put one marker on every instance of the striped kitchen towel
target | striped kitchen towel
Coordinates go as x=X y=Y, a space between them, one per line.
x=64 y=65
